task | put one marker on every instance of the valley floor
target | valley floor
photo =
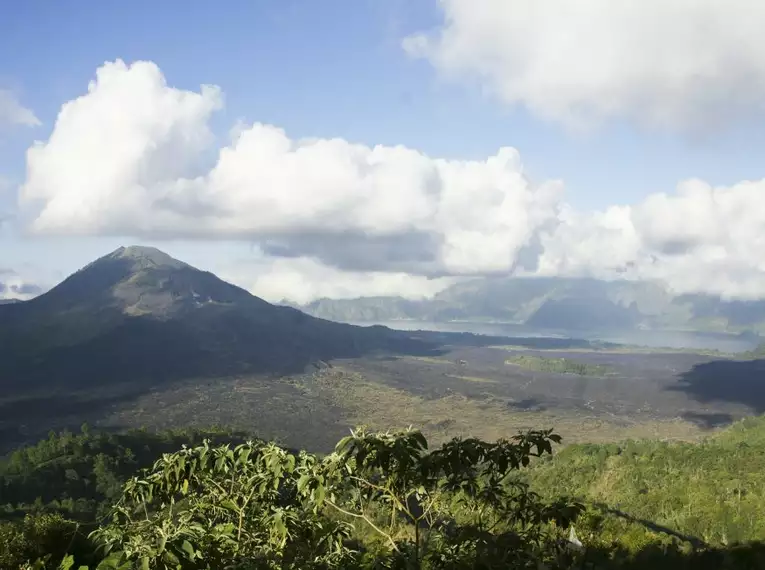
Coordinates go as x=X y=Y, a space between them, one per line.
x=463 y=390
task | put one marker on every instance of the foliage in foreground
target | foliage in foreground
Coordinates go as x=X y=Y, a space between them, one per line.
x=381 y=500
x=258 y=506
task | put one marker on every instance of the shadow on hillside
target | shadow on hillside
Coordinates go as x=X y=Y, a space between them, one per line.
x=750 y=556
x=735 y=381
x=650 y=525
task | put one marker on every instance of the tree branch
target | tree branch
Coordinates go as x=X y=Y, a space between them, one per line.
x=365 y=518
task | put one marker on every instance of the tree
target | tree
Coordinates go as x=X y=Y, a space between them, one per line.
x=456 y=504
x=215 y=507
x=258 y=505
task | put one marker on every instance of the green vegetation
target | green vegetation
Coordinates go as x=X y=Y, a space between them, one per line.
x=79 y=475
x=559 y=365
x=53 y=494
x=713 y=490
x=382 y=500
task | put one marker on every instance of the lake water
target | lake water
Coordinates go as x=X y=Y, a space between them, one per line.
x=654 y=339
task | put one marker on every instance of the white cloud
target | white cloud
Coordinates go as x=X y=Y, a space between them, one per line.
x=333 y=218
x=699 y=239
x=595 y=244
x=110 y=148
x=13 y=113
x=671 y=63
x=120 y=161
x=302 y=280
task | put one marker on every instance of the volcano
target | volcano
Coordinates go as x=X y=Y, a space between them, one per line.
x=139 y=315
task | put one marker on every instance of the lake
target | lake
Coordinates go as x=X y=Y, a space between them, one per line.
x=648 y=338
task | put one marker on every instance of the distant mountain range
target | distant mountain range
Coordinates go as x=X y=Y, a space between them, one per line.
x=139 y=315
x=557 y=303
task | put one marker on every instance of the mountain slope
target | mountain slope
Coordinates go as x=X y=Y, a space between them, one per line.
x=139 y=315
x=558 y=303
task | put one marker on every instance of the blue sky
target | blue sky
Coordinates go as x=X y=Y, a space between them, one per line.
x=332 y=69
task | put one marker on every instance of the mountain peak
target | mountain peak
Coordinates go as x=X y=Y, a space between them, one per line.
x=139 y=280
x=146 y=257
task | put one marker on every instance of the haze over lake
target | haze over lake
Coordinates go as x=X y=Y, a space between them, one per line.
x=649 y=338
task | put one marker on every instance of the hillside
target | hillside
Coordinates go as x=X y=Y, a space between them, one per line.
x=713 y=490
x=558 y=303
x=139 y=316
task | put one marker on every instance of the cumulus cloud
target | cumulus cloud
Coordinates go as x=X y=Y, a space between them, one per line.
x=121 y=161
x=693 y=64
x=118 y=151
x=13 y=113
x=334 y=218
x=699 y=239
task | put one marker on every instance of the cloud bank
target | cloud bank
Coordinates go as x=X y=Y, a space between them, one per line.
x=120 y=158
x=128 y=159
x=688 y=64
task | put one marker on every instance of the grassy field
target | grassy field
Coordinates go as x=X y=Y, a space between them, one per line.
x=559 y=365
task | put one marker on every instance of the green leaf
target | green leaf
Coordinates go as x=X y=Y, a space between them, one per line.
x=188 y=549
x=319 y=493
x=115 y=561
x=230 y=505
x=170 y=558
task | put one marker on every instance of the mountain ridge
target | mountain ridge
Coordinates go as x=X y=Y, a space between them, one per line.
x=557 y=303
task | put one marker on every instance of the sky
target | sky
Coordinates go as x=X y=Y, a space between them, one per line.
x=343 y=148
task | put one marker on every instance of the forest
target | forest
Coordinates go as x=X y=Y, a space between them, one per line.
x=216 y=498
